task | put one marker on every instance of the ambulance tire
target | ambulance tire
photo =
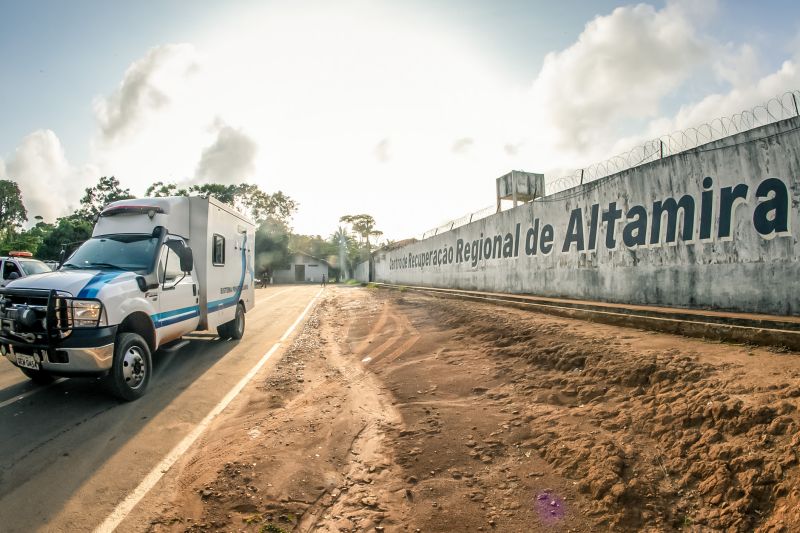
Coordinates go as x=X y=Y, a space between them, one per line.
x=131 y=368
x=235 y=328
x=38 y=376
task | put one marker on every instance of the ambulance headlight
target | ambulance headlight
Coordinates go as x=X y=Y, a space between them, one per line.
x=86 y=314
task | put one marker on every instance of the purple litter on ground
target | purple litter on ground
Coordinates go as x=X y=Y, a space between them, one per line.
x=550 y=507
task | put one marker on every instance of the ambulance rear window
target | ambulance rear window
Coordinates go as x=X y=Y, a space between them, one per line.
x=218 y=250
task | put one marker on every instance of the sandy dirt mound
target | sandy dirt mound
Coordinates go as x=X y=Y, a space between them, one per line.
x=400 y=412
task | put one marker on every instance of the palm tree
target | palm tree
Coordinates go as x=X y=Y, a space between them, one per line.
x=340 y=236
x=364 y=226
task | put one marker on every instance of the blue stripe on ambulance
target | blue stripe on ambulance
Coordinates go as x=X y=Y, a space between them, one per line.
x=94 y=285
x=218 y=305
x=167 y=318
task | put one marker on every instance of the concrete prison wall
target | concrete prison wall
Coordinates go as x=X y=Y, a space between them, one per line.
x=714 y=227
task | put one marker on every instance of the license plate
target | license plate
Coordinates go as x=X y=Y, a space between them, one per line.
x=27 y=361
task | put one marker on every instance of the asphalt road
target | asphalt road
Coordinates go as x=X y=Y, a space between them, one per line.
x=69 y=452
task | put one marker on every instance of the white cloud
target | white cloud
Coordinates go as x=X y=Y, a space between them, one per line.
x=229 y=159
x=738 y=65
x=462 y=145
x=149 y=86
x=620 y=69
x=164 y=123
x=766 y=95
x=740 y=98
x=50 y=185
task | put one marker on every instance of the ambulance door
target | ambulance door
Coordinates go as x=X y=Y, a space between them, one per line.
x=179 y=312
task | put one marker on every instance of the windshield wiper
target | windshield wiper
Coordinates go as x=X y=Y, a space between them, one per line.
x=106 y=265
x=71 y=265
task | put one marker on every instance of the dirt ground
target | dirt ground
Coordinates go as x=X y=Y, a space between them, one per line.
x=394 y=411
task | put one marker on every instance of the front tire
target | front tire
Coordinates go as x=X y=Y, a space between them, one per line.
x=38 y=376
x=132 y=367
x=235 y=328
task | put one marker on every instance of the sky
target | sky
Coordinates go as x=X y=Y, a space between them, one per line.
x=407 y=111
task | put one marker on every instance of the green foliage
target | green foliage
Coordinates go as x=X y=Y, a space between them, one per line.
x=262 y=206
x=364 y=226
x=224 y=193
x=160 y=189
x=12 y=211
x=106 y=191
x=316 y=246
x=246 y=197
x=272 y=247
x=68 y=232
x=28 y=240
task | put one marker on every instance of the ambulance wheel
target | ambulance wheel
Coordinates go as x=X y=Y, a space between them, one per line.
x=235 y=328
x=132 y=367
x=38 y=376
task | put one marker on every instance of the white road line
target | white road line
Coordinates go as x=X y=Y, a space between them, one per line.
x=126 y=506
x=299 y=319
x=30 y=393
x=271 y=295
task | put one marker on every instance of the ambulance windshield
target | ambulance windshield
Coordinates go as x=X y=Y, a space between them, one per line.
x=120 y=252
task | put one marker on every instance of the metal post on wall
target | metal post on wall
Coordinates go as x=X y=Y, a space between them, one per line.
x=582 y=176
x=794 y=99
x=661 y=143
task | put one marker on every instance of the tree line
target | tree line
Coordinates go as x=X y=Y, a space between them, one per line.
x=275 y=241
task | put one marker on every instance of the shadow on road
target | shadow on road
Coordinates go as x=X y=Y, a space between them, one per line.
x=67 y=431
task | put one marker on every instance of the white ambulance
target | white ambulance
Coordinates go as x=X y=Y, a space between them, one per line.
x=154 y=270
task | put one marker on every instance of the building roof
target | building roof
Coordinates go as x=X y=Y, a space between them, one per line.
x=294 y=252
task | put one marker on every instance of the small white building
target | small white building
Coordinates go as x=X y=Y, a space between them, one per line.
x=303 y=269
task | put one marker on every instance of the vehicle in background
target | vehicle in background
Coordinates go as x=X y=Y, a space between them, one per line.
x=20 y=264
x=154 y=270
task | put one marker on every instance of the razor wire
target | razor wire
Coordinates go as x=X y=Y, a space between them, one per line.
x=773 y=110
x=461 y=221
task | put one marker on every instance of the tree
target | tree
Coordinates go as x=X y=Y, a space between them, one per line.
x=160 y=189
x=29 y=240
x=364 y=226
x=12 y=211
x=246 y=197
x=272 y=247
x=224 y=193
x=261 y=206
x=313 y=245
x=68 y=232
x=345 y=244
x=106 y=191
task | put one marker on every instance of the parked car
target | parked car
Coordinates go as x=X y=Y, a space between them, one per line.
x=20 y=264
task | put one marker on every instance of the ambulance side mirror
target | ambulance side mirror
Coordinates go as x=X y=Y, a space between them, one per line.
x=187 y=260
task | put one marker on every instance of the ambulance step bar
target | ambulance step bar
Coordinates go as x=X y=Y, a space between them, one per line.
x=173 y=346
